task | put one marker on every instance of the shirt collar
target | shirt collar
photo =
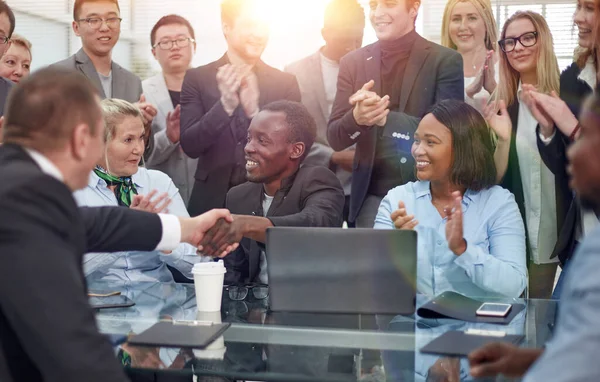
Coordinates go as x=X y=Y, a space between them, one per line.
x=95 y=180
x=422 y=188
x=45 y=164
x=588 y=73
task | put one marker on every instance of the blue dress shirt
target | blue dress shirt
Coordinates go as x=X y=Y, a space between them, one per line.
x=494 y=263
x=136 y=266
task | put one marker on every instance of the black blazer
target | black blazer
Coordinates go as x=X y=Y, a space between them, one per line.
x=47 y=328
x=512 y=179
x=433 y=73
x=573 y=91
x=209 y=134
x=312 y=197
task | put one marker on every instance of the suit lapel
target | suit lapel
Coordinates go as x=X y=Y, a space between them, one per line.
x=85 y=65
x=318 y=85
x=160 y=93
x=418 y=54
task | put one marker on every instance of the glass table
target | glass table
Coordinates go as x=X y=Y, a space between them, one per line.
x=261 y=345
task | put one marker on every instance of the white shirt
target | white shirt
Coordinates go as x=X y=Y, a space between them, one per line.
x=538 y=189
x=263 y=276
x=330 y=70
x=171 y=228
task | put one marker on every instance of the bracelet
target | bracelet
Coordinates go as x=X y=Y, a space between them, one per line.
x=574 y=132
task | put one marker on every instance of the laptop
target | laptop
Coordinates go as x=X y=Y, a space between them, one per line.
x=335 y=270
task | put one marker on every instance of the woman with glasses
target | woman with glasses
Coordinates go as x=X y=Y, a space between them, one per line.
x=559 y=125
x=118 y=180
x=173 y=46
x=15 y=64
x=470 y=231
x=528 y=59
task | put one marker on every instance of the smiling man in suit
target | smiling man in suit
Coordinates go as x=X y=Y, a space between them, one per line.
x=98 y=24
x=390 y=84
x=173 y=45
x=317 y=76
x=219 y=100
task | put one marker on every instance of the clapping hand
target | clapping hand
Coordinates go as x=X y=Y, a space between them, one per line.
x=173 y=125
x=148 y=113
x=557 y=110
x=544 y=120
x=145 y=202
x=489 y=72
x=500 y=123
x=228 y=82
x=454 y=225
x=401 y=219
x=369 y=108
x=249 y=93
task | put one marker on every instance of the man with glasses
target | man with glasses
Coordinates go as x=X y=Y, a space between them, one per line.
x=173 y=46
x=98 y=23
x=7 y=26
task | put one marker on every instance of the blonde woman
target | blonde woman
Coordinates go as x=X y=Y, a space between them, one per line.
x=16 y=62
x=528 y=58
x=469 y=27
x=119 y=181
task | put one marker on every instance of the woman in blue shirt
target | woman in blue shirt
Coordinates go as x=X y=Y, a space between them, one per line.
x=471 y=237
x=118 y=180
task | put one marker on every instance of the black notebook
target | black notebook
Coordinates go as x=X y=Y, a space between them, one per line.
x=459 y=307
x=460 y=344
x=182 y=334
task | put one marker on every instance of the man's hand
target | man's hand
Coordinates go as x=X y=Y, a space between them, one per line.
x=250 y=94
x=401 y=219
x=194 y=229
x=173 y=124
x=221 y=235
x=445 y=369
x=228 y=82
x=145 y=202
x=148 y=113
x=343 y=159
x=369 y=108
x=502 y=358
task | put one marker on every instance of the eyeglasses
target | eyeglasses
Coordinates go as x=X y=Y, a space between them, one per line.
x=526 y=39
x=4 y=40
x=96 y=22
x=239 y=293
x=181 y=42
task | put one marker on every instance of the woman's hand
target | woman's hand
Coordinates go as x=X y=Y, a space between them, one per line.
x=500 y=123
x=145 y=202
x=545 y=121
x=489 y=72
x=477 y=84
x=558 y=110
x=401 y=220
x=454 y=225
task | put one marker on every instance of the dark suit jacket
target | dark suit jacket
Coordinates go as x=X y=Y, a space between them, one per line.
x=512 y=180
x=5 y=86
x=312 y=197
x=573 y=91
x=209 y=134
x=433 y=73
x=47 y=328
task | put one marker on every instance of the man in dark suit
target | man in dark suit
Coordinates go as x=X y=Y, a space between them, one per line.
x=390 y=84
x=53 y=137
x=219 y=100
x=279 y=191
x=7 y=26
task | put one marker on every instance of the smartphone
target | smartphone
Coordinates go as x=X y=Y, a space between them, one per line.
x=493 y=309
x=119 y=301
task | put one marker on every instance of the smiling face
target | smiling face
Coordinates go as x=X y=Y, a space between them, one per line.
x=585 y=19
x=269 y=154
x=432 y=150
x=124 y=151
x=522 y=59
x=342 y=40
x=584 y=158
x=176 y=59
x=391 y=19
x=248 y=34
x=466 y=28
x=15 y=64
x=98 y=42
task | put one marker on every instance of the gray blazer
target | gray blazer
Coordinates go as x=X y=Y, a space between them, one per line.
x=166 y=156
x=125 y=85
x=309 y=75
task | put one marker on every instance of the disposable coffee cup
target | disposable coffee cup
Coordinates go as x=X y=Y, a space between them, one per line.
x=217 y=349
x=208 y=281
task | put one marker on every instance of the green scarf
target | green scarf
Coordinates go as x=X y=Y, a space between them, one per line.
x=125 y=187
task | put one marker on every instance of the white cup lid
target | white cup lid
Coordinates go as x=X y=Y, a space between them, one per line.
x=209 y=268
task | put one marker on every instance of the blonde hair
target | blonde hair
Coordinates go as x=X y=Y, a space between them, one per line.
x=19 y=40
x=113 y=112
x=548 y=73
x=484 y=7
x=581 y=54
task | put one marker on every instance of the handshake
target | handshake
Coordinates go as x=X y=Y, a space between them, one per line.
x=217 y=233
